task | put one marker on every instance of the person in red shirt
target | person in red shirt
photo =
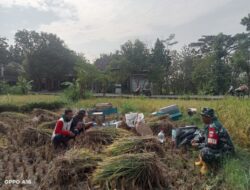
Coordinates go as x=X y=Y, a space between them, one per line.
x=62 y=133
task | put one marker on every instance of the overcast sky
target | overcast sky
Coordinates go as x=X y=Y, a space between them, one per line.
x=93 y=27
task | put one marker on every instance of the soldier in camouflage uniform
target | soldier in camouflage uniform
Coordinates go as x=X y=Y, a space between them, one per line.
x=215 y=141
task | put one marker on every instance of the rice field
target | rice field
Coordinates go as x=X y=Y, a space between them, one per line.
x=232 y=112
x=115 y=159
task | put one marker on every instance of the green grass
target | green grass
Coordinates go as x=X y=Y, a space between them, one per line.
x=237 y=171
x=19 y=100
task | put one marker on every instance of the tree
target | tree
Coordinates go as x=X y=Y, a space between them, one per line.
x=188 y=59
x=160 y=63
x=4 y=55
x=246 y=22
x=47 y=60
x=86 y=74
x=241 y=57
x=217 y=49
x=103 y=61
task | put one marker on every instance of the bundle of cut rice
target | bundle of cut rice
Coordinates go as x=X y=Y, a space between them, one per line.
x=104 y=135
x=132 y=171
x=71 y=171
x=136 y=145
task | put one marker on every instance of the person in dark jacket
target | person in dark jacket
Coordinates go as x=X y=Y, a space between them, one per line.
x=62 y=133
x=78 y=124
x=215 y=141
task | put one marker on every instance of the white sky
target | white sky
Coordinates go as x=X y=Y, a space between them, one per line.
x=101 y=26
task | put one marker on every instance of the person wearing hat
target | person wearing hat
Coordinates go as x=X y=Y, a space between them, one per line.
x=215 y=141
x=78 y=124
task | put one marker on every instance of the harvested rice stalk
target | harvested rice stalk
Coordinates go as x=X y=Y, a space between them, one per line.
x=14 y=115
x=46 y=113
x=47 y=125
x=3 y=128
x=104 y=135
x=15 y=119
x=70 y=171
x=164 y=125
x=37 y=137
x=132 y=171
x=3 y=142
x=136 y=145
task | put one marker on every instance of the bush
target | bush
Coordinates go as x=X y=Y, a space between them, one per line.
x=87 y=94
x=127 y=107
x=72 y=93
x=8 y=108
x=30 y=106
x=42 y=105
x=23 y=87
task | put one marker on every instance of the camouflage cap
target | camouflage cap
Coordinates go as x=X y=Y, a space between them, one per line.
x=208 y=112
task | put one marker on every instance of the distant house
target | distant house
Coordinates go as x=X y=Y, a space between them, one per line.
x=7 y=78
x=139 y=80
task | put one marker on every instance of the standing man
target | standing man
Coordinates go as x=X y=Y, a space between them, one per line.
x=62 y=134
x=215 y=142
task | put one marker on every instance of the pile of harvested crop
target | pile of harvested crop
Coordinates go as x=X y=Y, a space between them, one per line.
x=71 y=171
x=47 y=125
x=132 y=171
x=136 y=145
x=15 y=119
x=3 y=128
x=104 y=135
x=164 y=125
x=42 y=115
x=37 y=137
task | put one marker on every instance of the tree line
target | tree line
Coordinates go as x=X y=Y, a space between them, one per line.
x=208 y=66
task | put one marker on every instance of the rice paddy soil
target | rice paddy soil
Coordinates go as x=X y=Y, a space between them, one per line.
x=109 y=158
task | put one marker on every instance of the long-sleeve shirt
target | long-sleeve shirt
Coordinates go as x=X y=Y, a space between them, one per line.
x=225 y=143
x=61 y=128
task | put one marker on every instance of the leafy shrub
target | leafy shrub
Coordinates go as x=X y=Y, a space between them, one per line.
x=42 y=105
x=23 y=87
x=87 y=94
x=127 y=107
x=72 y=92
x=30 y=106
x=9 y=108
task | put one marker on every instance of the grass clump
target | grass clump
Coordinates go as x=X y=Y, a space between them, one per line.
x=237 y=171
x=127 y=107
x=132 y=171
x=136 y=145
